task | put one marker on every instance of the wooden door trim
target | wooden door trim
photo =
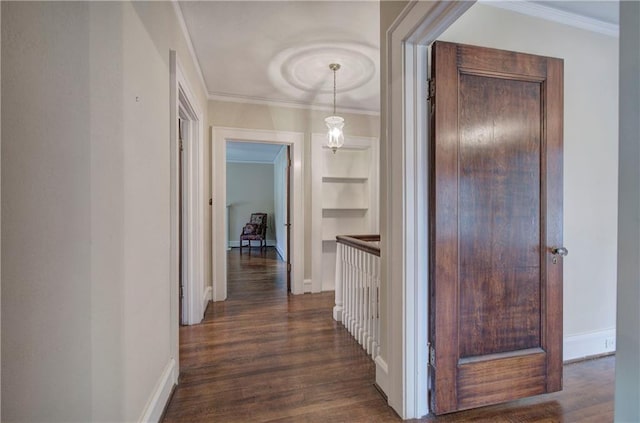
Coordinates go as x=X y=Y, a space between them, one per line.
x=553 y=137
x=444 y=231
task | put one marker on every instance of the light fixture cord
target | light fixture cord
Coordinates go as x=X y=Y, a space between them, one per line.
x=334 y=92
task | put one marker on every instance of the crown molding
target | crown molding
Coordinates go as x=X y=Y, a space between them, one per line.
x=555 y=15
x=288 y=104
x=187 y=36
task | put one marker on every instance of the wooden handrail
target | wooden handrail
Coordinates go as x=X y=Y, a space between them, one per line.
x=361 y=242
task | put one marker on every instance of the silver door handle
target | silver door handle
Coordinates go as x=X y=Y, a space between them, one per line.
x=559 y=251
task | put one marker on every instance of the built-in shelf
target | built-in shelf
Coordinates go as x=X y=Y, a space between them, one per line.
x=342 y=213
x=345 y=179
x=344 y=199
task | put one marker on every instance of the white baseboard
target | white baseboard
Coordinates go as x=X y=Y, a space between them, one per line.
x=589 y=344
x=153 y=411
x=280 y=252
x=307 y=286
x=206 y=297
x=270 y=243
x=382 y=375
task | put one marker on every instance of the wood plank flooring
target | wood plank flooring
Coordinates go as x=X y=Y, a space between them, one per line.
x=263 y=356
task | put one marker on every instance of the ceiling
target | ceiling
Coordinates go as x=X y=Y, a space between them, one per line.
x=252 y=152
x=280 y=51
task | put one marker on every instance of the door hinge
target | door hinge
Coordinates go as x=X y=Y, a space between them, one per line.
x=289 y=163
x=181 y=291
x=431 y=89
x=432 y=356
x=181 y=148
x=288 y=267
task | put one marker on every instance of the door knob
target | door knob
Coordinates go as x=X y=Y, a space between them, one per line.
x=559 y=251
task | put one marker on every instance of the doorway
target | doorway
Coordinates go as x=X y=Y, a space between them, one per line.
x=186 y=204
x=192 y=297
x=220 y=228
x=408 y=173
x=258 y=207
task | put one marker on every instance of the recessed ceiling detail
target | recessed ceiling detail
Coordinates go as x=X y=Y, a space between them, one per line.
x=304 y=70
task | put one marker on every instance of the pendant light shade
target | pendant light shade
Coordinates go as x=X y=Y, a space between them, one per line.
x=335 y=136
x=335 y=124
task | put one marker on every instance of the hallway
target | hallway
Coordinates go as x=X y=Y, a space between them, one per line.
x=264 y=356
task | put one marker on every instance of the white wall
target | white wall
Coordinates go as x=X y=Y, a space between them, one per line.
x=46 y=301
x=250 y=189
x=280 y=175
x=590 y=157
x=85 y=307
x=627 y=396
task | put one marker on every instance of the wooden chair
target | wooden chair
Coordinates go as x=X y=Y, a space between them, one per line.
x=255 y=230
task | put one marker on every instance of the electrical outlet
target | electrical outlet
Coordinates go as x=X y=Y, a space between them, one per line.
x=610 y=343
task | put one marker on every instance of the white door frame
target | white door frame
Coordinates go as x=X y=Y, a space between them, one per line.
x=183 y=105
x=403 y=372
x=219 y=186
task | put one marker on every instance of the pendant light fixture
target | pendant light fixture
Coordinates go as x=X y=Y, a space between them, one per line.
x=335 y=123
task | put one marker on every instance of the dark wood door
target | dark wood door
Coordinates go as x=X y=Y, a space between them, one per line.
x=496 y=217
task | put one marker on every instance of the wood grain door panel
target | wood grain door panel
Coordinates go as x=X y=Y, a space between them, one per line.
x=496 y=212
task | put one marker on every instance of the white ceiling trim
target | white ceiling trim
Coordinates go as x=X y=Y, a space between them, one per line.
x=555 y=15
x=289 y=104
x=192 y=51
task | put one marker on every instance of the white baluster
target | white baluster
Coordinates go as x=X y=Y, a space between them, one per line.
x=367 y=303
x=354 y=290
x=347 y=287
x=360 y=302
x=357 y=296
x=372 y=306
x=351 y=281
x=376 y=278
x=337 y=309
x=354 y=283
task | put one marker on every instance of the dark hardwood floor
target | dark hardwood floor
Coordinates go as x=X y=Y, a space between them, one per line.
x=263 y=356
